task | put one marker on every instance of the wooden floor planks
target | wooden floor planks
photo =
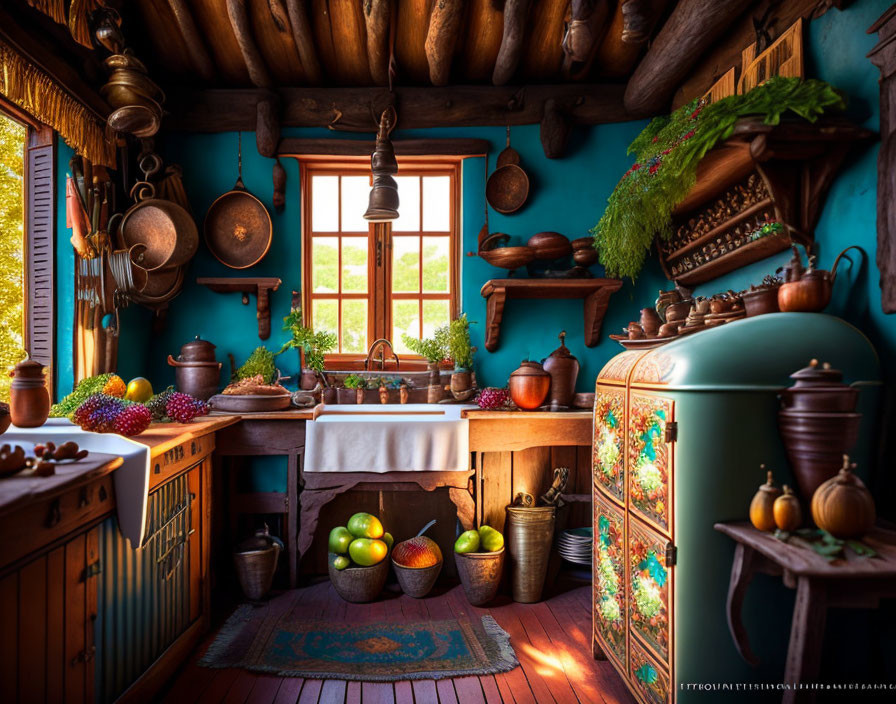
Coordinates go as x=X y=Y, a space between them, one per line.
x=552 y=640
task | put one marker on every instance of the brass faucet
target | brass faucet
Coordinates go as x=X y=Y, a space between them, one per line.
x=381 y=343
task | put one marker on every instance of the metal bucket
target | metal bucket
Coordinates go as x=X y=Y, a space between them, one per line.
x=530 y=533
x=256 y=561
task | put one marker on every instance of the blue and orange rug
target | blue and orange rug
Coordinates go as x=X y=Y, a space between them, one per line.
x=261 y=641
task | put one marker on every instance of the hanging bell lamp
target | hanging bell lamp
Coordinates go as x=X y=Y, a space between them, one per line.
x=383 y=203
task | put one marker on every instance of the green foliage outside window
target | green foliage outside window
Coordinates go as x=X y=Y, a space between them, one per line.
x=12 y=264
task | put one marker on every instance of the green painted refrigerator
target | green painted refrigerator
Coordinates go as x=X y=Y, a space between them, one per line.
x=679 y=434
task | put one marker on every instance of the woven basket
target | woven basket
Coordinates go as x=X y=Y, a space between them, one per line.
x=480 y=573
x=530 y=533
x=256 y=561
x=359 y=584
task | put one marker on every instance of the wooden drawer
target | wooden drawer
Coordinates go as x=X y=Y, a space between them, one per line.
x=181 y=457
x=45 y=521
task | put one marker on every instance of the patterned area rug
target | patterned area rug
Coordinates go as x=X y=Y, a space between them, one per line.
x=260 y=641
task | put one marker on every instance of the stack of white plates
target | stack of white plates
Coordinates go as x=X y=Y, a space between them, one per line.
x=574 y=545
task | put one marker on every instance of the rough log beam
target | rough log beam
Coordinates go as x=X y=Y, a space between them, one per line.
x=587 y=26
x=356 y=109
x=239 y=21
x=301 y=34
x=441 y=38
x=267 y=130
x=515 y=12
x=554 y=130
x=691 y=29
x=199 y=56
x=377 y=17
x=639 y=17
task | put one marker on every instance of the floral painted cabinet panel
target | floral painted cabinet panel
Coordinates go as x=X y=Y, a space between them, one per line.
x=651 y=582
x=650 y=458
x=650 y=679
x=609 y=577
x=609 y=441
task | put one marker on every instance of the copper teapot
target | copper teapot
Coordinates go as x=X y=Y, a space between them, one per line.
x=807 y=290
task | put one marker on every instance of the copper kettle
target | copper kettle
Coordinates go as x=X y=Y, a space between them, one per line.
x=809 y=290
x=196 y=371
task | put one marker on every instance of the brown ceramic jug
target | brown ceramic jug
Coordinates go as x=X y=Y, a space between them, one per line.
x=29 y=399
x=564 y=369
x=529 y=385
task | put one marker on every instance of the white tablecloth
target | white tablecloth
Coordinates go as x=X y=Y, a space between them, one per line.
x=131 y=480
x=343 y=442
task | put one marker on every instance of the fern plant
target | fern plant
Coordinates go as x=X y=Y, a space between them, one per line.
x=455 y=338
x=433 y=350
x=314 y=344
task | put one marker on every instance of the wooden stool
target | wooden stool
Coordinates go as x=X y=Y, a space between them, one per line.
x=856 y=583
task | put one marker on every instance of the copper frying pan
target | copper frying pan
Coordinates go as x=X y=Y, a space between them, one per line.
x=238 y=226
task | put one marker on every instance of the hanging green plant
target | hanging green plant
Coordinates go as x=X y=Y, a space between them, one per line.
x=667 y=153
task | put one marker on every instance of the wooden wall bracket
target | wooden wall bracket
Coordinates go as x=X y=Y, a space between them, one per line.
x=261 y=287
x=595 y=293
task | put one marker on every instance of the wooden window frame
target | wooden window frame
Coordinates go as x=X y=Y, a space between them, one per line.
x=39 y=326
x=380 y=240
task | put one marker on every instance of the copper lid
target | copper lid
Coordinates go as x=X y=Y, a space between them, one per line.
x=818 y=375
x=528 y=368
x=562 y=350
x=29 y=369
x=197 y=350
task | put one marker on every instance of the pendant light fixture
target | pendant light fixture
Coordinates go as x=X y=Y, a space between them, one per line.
x=383 y=203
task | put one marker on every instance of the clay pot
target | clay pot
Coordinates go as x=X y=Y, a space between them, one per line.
x=529 y=385
x=811 y=294
x=29 y=399
x=550 y=245
x=650 y=321
x=819 y=389
x=461 y=380
x=664 y=300
x=677 y=312
x=761 y=301
x=564 y=370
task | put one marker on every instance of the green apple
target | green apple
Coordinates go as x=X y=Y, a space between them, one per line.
x=491 y=539
x=468 y=541
x=367 y=552
x=365 y=525
x=339 y=540
x=341 y=562
x=388 y=540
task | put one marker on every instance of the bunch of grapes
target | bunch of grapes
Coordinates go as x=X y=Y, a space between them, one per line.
x=492 y=398
x=102 y=413
x=183 y=408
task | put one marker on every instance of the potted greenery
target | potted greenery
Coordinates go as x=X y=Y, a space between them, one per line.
x=456 y=339
x=354 y=389
x=434 y=350
x=313 y=344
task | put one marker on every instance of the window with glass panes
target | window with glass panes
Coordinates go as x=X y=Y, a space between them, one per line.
x=365 y=281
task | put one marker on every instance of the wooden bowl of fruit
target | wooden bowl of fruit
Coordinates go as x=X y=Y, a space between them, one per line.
x=417 y=563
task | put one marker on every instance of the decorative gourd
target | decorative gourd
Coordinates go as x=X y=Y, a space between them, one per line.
x=761 y=513
x=788 y=514
x=843 y=506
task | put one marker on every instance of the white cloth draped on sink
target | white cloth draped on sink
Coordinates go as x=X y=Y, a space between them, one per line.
x=354 y=439
x=131 y=480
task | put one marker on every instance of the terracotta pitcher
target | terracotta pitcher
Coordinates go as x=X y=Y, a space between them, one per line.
x=29 y=399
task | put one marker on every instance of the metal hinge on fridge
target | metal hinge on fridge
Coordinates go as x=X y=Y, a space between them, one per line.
x=92 y=570
x=671 y=554
x=671 y=431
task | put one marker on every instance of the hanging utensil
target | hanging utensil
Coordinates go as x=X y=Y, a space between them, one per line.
x=507 y=189
x=238 y=227
x=508 y=155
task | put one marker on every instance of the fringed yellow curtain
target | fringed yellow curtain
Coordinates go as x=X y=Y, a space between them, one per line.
x=34 y=91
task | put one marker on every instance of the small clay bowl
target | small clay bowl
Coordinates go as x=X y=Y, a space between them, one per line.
x=417 y=582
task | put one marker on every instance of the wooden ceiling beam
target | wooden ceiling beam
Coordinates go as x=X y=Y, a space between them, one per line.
x=242 y=30
x=441 y=38
x=515 y=12
x=301 y=34
x=358 y=109
x=186 y=25
x=364 y=147
x=378 y=19
x=691 y=29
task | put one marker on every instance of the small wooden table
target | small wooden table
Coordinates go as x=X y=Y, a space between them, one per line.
x=854 y=582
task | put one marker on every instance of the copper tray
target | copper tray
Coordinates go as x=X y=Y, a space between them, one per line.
x=250 y=403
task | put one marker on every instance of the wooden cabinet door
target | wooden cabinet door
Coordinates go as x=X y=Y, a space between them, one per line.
x=608 y=446
x=608 y=555
x=649 y=678
x=650 y=436
x=48 y=610
x=651 y=588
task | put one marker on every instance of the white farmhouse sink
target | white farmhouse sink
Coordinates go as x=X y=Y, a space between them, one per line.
x=387 y=438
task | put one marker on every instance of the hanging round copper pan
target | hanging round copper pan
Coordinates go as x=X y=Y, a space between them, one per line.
x=164 y=227
x=238 y=227
x=507 y=189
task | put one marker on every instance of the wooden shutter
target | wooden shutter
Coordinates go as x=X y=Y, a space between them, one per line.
x=40 y=228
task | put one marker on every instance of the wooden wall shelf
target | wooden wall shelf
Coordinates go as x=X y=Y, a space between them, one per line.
x=595 y=293
x=261 y=287
x=778 y=173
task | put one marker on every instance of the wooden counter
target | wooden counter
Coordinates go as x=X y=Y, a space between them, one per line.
x=509 y=431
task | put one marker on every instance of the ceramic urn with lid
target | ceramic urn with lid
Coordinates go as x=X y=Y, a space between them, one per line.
x=564 y=370
x=529 y=385
x=819 y=389
x=197 y=372
x=29 y=399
